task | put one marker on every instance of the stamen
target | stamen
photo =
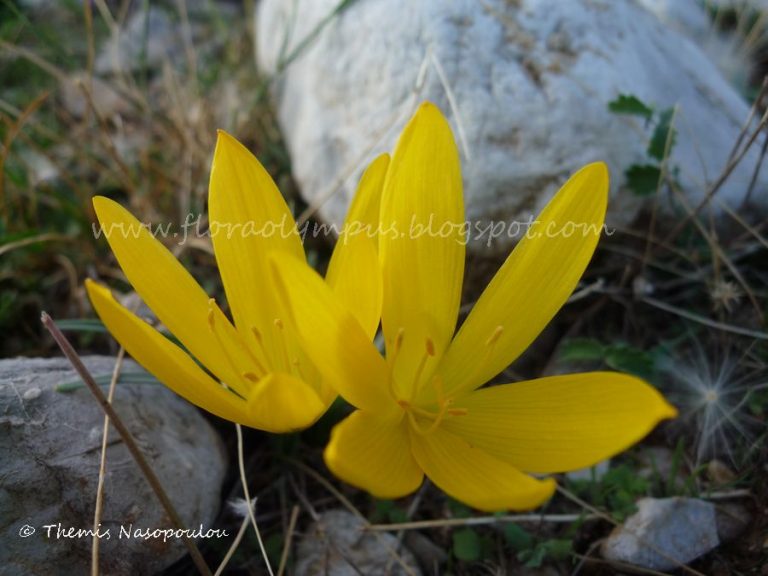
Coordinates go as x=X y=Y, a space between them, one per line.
x=283 y=343
x=396 y=347
x=212 y=307
x=251 y=376
x=490 y=345
x=436 y=422
x=437 y=383
x=429 y=353
x=259 y=341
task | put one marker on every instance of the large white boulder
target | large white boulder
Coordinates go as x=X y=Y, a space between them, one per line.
x=530 y=82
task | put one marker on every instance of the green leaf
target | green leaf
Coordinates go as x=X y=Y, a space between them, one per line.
x=558 y=549
x=533 y=558
x=663 y=131
x=105 y=379
x=581 y=349
x=633 y=360
x=628 y=104
x=517 y=537
x=643 y=179
x=459 y=510
x=466 y=545
x=81 y=325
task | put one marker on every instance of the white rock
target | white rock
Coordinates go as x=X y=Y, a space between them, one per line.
x=664 y=534
x=531 y=81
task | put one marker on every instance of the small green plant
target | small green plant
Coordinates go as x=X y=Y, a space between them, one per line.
x=617 y=356
x=644 y=179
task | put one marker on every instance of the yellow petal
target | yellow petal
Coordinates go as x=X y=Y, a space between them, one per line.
x=421 y=244
x=532 y=285
x=374 y=454
x=332 y=337
x=164 y=285
x=282 y=403
x=248 y=219
x=474 y=477
x=353 y=272
x=166 y=361
x=560 y=423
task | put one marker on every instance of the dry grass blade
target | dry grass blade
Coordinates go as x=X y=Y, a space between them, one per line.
x=717 y=184
x=244 y=480
x=9 y=138
x=45 y=237
x=235 y=544
x=128 y=439
x=704 y=320
x=103 y=466
x=288 y=540
x=482 y=521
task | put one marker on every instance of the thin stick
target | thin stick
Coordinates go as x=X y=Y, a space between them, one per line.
x=235 y=544
x=720 y=180
x=127 y=438
x=481 y=521
x=103 y=466
x=241 y=464
x=288 y=539
x=704 y=320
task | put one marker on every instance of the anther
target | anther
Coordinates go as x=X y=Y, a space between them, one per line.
x=493 y=338
x=211 y=320
x=399 y=339
x=212 y=308
x=397 y=344
x=251 y=376
x=429 y=349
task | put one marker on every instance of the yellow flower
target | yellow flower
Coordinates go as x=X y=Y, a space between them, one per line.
x=419 y=411
x=253 y=372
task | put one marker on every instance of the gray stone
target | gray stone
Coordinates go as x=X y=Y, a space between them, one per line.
x=50 y=444
x=531 y=81
x=337 y=544
x=664 y=534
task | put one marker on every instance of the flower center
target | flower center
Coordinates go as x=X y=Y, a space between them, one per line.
x=417 y=414
x=424 y=421
x=434 y=419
